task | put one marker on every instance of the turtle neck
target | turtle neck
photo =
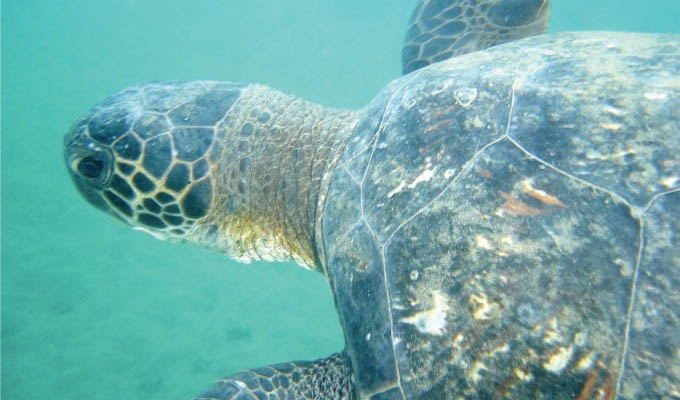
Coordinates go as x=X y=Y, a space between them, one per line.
x=276 y=153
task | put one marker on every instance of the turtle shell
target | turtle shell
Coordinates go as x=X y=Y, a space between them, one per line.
x=507 y=224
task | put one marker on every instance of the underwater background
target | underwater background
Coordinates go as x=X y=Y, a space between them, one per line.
x=92 y=309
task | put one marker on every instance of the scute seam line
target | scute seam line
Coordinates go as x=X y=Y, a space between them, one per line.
x=381 y=127
x=381 y=390
x=466 y=166
x=633 y=289
x=634 y=209
x=351 y=177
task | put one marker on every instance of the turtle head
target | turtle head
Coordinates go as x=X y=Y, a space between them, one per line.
x=232 y=168
x=144 y=154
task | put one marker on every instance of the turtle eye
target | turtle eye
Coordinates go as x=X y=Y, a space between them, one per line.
x=90 y=167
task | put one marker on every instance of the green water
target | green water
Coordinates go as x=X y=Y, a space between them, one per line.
x=92 y=309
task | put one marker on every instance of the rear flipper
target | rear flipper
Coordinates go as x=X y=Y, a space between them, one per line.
x=325 y=379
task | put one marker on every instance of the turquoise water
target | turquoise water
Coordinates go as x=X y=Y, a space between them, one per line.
x=93 y=309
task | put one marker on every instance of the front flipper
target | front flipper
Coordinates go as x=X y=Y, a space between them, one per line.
x=325 y=379
x=441 y=29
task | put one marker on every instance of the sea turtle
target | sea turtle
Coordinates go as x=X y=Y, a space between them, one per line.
x=505 y=223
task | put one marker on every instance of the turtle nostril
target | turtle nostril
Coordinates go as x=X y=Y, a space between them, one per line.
x=90 y=167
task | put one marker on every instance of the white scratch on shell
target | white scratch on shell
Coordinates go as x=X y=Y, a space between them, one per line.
x=655 y=96
x=432 y=321
x=669 y=181
x=397 y=189
x=424 y=177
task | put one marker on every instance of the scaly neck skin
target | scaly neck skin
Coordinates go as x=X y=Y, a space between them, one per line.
x=269 y=177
